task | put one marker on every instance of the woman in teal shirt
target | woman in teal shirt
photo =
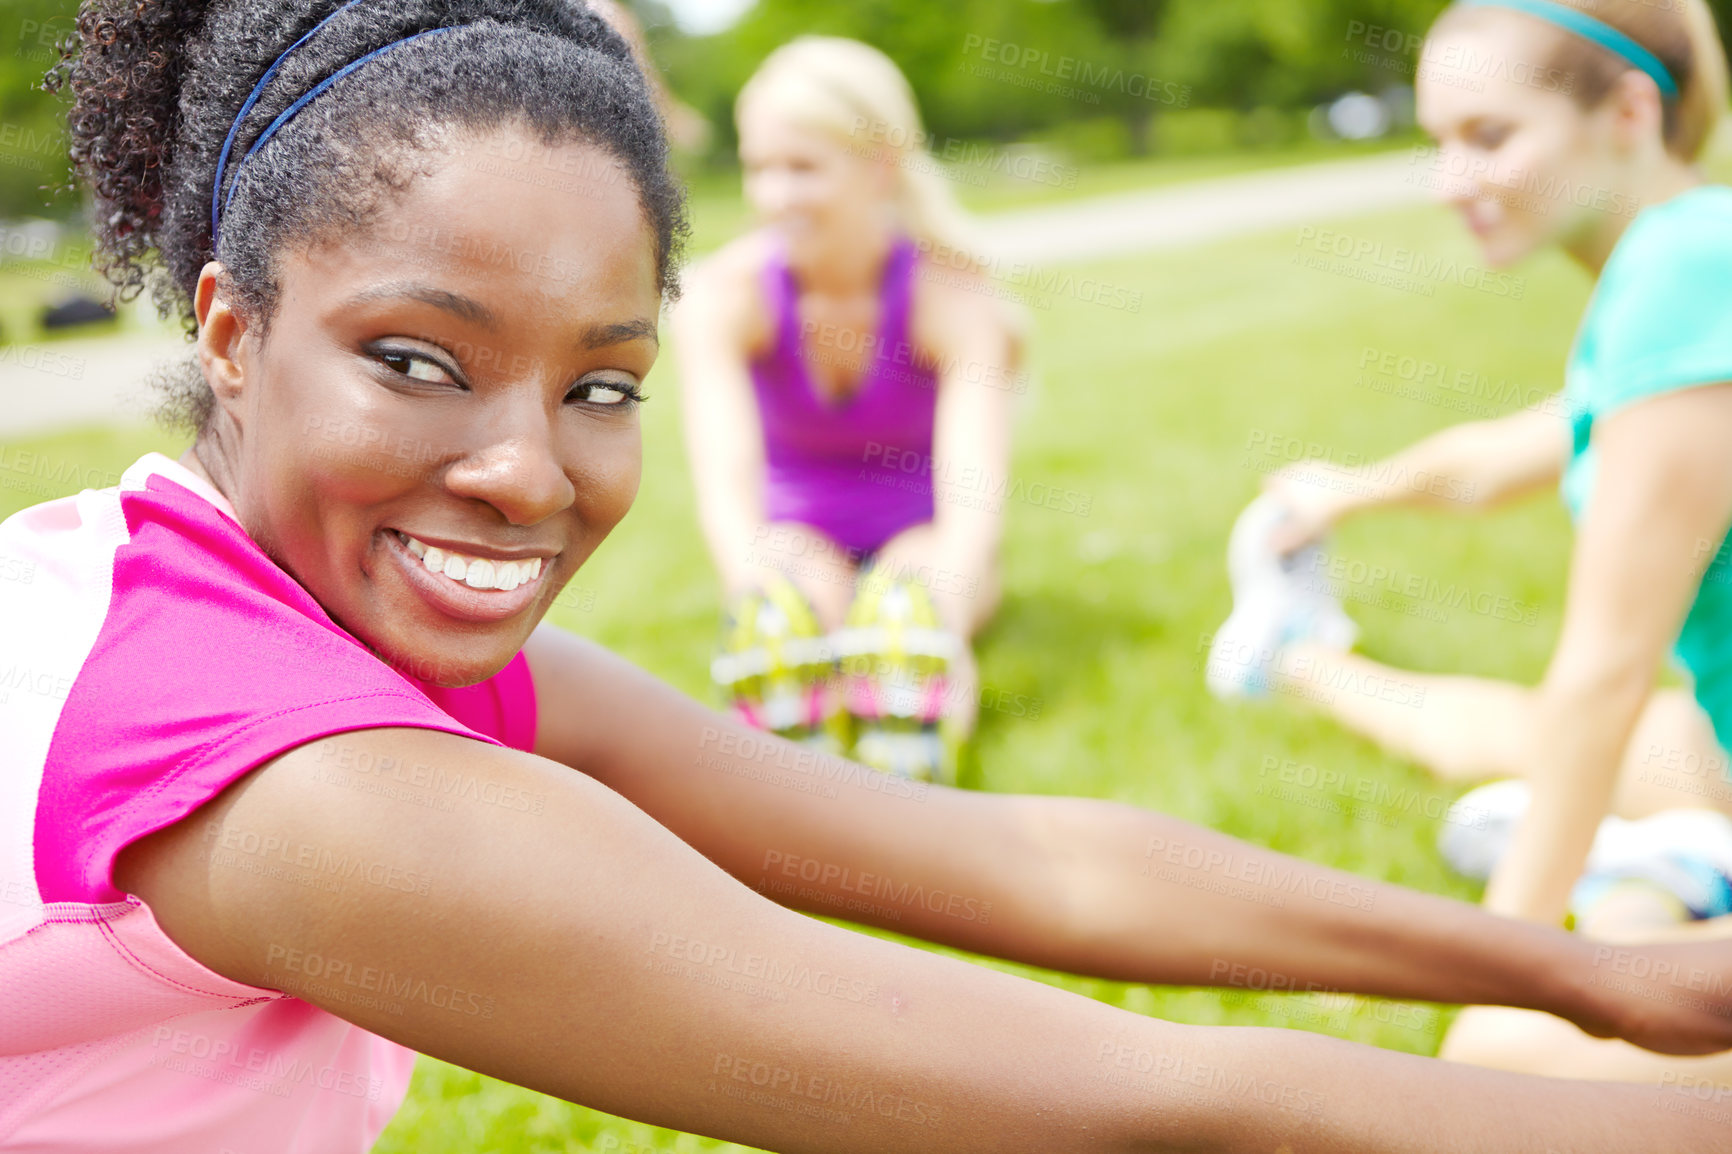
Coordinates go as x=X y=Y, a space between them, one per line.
x=1645 y=461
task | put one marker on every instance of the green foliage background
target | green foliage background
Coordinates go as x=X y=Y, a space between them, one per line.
x=1276 y=56
x=32 y=122
x=1252 y=69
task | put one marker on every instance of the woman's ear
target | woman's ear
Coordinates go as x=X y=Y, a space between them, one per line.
x=1638 y=111
x=222 y=331
x=887 y=172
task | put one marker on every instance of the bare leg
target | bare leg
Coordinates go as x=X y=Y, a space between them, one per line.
x=1673 y=761
x=1464 y=728
x=1458 y=727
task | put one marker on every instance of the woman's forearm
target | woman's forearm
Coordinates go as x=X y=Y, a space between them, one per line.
x=1466 y=466
x=1095 y=888
x=1318 y=1094
x=968 y=554
x=1574 y=749
x=739 y=542
x=730 y=509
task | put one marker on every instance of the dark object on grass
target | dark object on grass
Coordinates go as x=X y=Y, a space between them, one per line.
x=76 y=311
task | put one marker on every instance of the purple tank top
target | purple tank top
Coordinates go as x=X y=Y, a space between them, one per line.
x=859 y=471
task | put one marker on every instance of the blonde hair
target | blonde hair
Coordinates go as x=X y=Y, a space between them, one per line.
x=856 y=93
x=1680 y=32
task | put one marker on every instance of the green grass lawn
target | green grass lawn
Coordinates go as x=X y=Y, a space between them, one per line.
x=1157 y=417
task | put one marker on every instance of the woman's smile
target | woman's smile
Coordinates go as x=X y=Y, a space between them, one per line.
x=469 y=582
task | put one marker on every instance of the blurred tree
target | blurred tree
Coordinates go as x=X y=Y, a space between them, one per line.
x=1254 y=53
x=1101 y=70
x=33 y=161
x=1133 y=23
x=1009 y=69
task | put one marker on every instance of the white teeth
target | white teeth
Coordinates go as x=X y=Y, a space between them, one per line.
x=475 y=572
x=480 y=574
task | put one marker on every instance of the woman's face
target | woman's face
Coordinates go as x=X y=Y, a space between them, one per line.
x=1522 y=162
x=813 y=188
x=456 y=384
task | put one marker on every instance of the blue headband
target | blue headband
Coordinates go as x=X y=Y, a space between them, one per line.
x=1593 y=29
x=219 y=203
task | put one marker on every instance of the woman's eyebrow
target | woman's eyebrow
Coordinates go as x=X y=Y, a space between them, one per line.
x=597 y=336
x=594 y=337
x=457 y=304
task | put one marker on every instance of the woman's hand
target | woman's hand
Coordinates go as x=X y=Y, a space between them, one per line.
x=1313 y=508
x=1672 y=998
x=1462 y=468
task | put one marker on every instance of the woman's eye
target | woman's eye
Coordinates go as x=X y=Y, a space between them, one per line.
x=1490 y=138
x=606 y=393
x=416 y=367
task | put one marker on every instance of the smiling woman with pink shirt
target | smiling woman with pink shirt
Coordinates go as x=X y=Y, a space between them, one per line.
x=302 y=783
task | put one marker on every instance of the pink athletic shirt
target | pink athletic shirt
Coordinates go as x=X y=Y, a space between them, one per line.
x=150 y=654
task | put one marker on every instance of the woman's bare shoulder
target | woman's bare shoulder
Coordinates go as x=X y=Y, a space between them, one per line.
x=721 y=301
x=958 y=303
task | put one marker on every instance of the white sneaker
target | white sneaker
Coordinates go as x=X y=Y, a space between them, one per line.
x=1251 y=559
x=1242 y=653
x=1687 y=852
x=1274 y=605
x=1478 y=827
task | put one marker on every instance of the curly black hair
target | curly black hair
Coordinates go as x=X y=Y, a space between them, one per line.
x=157 y=85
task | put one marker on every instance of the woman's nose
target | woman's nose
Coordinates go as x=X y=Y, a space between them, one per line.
x=516 y=466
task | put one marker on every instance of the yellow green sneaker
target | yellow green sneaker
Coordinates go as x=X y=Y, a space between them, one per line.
x=894 y=654
x=774 y=665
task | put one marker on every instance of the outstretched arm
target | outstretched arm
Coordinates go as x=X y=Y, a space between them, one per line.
x=1464 y=467
x=715 y=325
x=585 y=952
x=1660 y=508
x=971 y=338
x=1072 y=884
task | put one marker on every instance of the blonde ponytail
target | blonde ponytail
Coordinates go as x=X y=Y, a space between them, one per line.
x=1703 y=105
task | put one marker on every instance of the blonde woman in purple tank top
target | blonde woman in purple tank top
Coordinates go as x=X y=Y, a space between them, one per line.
x=848 y=415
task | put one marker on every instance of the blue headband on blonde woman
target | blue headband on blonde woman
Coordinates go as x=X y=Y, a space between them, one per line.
x=1589 y=28
x=218 y=201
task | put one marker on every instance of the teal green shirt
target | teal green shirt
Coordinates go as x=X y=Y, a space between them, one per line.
x=1660 y=320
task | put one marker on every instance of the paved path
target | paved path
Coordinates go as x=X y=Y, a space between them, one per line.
x=1198 y=212
x=86 y=381
x=100 y=379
